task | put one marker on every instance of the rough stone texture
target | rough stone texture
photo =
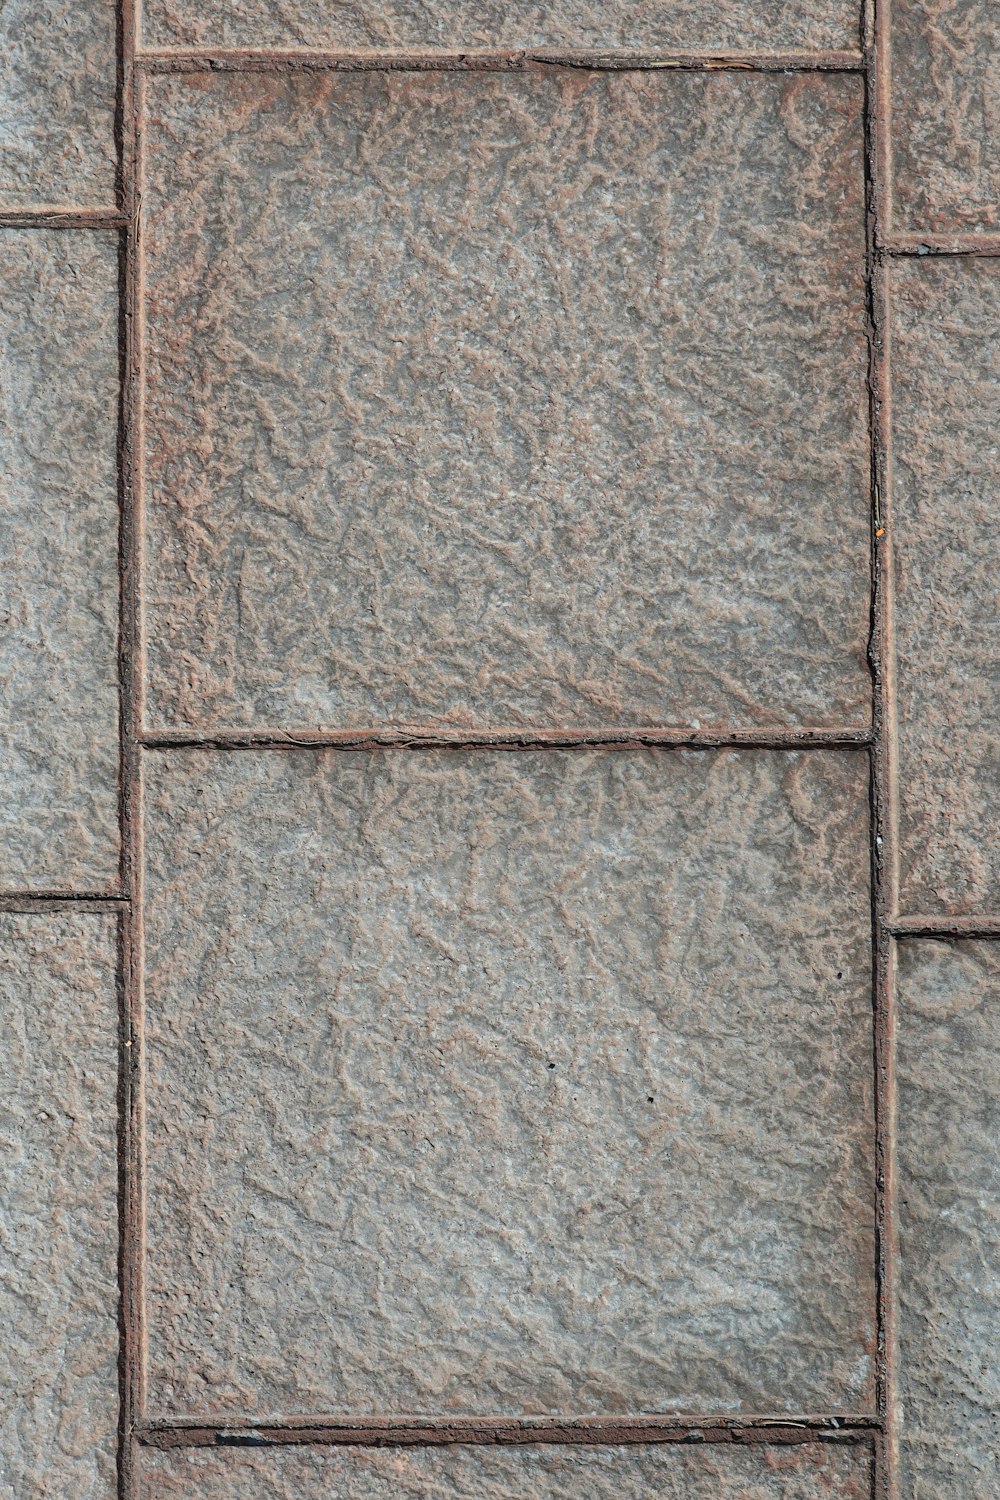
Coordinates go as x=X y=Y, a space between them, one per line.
x=455 y=25
x=539 y=1473
x=58 y=547
x=946 y=412
x=532 y=399
x=949 y=1207
x=57 y=103
x=945 y=114
x=58 y=1220
x=508 y=1082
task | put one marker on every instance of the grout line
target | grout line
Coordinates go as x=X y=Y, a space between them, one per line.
x=508 y=739
x=301 y=59
x=986 y=925
x=884 y=855
x=49 y=901
x=933 y=245
x=62 y=218
x=384 y=1432
x=130 y=681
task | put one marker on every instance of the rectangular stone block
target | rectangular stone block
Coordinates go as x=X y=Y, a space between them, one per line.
x=57 y=103
x=945 y=115
x=59 y=548
x=949 y=1211
x=946 y=410
x=554 y=413
x=816 y=1472
x=508 y=1082
x=458 y=25
x=58 y=1219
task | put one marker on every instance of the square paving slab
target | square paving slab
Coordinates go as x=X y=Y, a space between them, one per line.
x=508 y=1082
x=458 y=25
x=540 y=1473
x=58 y=1195
x=946 y=412
x=945 y=114
x=59 y=556
x=57 y=103
x=949 y=1210
x=531 y=399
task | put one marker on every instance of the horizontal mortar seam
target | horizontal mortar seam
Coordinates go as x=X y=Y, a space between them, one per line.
x=182 y=60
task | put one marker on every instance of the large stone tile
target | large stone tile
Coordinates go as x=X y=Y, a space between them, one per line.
x=57 y=103
x=945 y=114
x=949 y=1209
x=534 y=1473
x=58 y=1222
x=946 y=410
x=501 y=400
x=58 y=543
x=512 y=1082
x=457 y=25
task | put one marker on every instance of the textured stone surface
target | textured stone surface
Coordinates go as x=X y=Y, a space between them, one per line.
x=946 y=412
x=946 y=114
x=58 y=546
x=695 y=25
x=480 y=399
x=508 y=1082
x=540 y=1473
x=57 y=102
x=58 y=1219
x=949 y=1208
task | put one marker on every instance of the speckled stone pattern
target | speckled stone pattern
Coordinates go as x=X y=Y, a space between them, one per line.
x=57 y=103
x=949 y=1195
x=534 y=1473
x=508 y=1082
x=59 y=551
x=945 y=114
x=519 y=399
x=946 y=410
x=456 y=25
x=58 y=1187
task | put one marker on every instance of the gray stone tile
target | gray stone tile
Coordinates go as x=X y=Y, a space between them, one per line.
x=946 y=410
x=58 y=1220
x=455 y=25
x=518 y=1082
x=554 y=413
x=949 y=1209
x=57 y=103
x=945 y=115
x=58 y=544
x=539 y=1473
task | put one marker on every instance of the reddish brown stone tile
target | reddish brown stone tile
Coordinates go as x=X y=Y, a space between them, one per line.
x=59 y=543
x=496 y=1082
x=58 y=1206
x=458 y=25
x=945 y=114
x=534 y=1473
x=949 y=1210
x=946 y=410
x=57 y=103
x=532 y=399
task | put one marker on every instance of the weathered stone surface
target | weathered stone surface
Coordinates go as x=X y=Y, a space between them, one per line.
x=58 y=544
x=57 y=102
x=527 y=399
x=508 y=1082
x=945 y=114
x=455 y=25
x=58 y=1220
x=946 y=411
x=949 y=1208
x=540 y=1473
